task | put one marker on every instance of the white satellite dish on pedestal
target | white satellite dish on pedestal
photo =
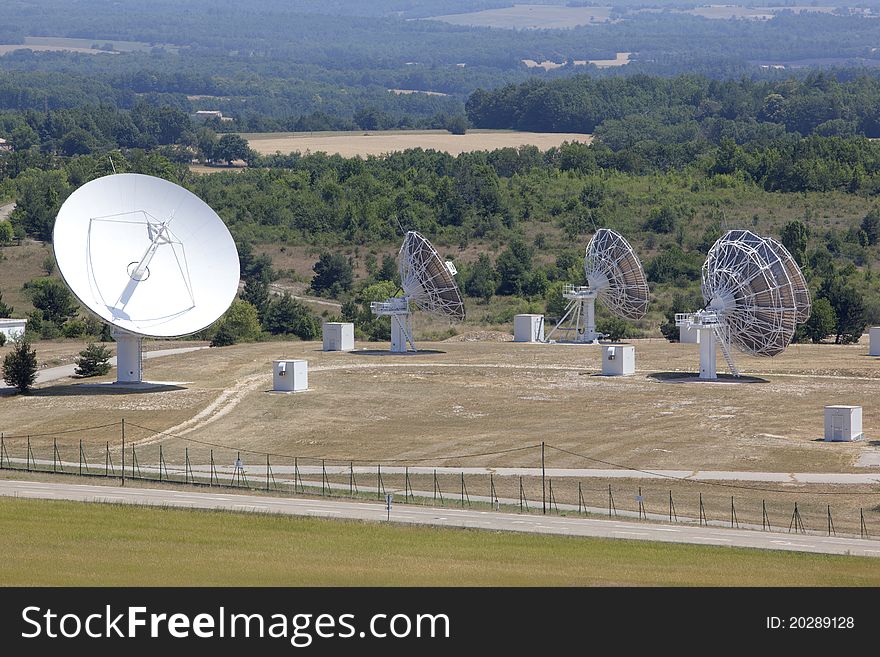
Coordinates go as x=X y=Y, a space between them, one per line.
x=614 y=275
x=148 y=257
x=755 y=296
x=428 y=283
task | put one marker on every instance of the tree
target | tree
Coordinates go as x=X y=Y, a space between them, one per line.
x=614 y=328
x=40 y=194
x=286 y=315
x=514 y=267
x=822 y=321
x=388 y=271
x=480 y=281
x=20 y=365
x=5 y=311
x=457 y=125
x=7 y=233
x=662 y=219
x=795 y=235
x=333 y=275
x=94 y=360
x=232 y=147
x=52 y=298
x=871 y=225
x=849 y=306
x=240 y=323
x=256 y=293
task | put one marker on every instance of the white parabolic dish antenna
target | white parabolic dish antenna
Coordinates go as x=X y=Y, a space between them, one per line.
x=428 y=283
x=614 y=275
x=148 y=257
x=755 y=296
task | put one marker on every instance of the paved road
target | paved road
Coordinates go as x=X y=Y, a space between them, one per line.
x=64 y=371
x=412 y=515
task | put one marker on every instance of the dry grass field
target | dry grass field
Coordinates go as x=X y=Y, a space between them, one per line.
x=535 y=16
x=456 y=399
x=467 y=397
x=383 y=142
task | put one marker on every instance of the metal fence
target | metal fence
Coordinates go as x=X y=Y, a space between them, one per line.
x=144 y=455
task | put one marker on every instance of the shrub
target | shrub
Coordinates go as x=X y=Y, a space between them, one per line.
x=94 y=360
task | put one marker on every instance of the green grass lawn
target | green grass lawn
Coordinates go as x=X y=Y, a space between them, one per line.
x=68 y=543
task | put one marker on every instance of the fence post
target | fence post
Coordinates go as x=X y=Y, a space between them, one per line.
x=80 y=457
x=733 y=518
x=522 y=497
x=211 y=480
x=161 y=460
x=29 y=454
x=765 y=519
x=351 y=479
x=611 y=510
x=407 y=487
x=123 y=452
x=830 y=523
x=267 y=472
x=54 y=453
x=642 y=513
x=703 y=519
x=493 y=495
x=543 y=485
x=863 y=528
x=186 y=465
x=107 y=460
x=379 y=485
x=2 y=449
x=323 y=476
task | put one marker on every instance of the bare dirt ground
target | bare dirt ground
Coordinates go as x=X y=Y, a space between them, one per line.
x=467 y=397
x=383 y=142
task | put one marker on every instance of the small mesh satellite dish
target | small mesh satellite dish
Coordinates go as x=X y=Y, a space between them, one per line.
x=614 y=275
x=755 y=294
x=148 y=257
x=428 y=283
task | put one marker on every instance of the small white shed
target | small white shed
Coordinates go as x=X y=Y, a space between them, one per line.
x=618 y=360
x=12 y=328
x=338 y=336
x=843 y=423
x=528 y=328
x=874 y=341
x=290 y=376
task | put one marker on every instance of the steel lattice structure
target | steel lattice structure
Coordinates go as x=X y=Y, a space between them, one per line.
x=613 y=269
x=796 y=276
x=428 y=281
x=614 y=274
x=748 y=283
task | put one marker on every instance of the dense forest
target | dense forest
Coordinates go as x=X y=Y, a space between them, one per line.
x=268 y=64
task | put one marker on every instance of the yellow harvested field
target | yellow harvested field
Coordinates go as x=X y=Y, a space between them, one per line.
x=620 y=59
x=382 y=143
x=524 y=17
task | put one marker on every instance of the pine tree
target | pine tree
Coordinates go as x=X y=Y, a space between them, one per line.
x=20 y=365
x=94 y=360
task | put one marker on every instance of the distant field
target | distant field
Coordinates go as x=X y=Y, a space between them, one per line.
x=530 y=17
x=620 y=59
x=381 y=143
x=49 y=44
x=55 y=544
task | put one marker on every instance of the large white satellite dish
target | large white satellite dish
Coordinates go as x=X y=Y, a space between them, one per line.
x=428 y=283
x=614 y=275
x=755 y=296
x=148 y=257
